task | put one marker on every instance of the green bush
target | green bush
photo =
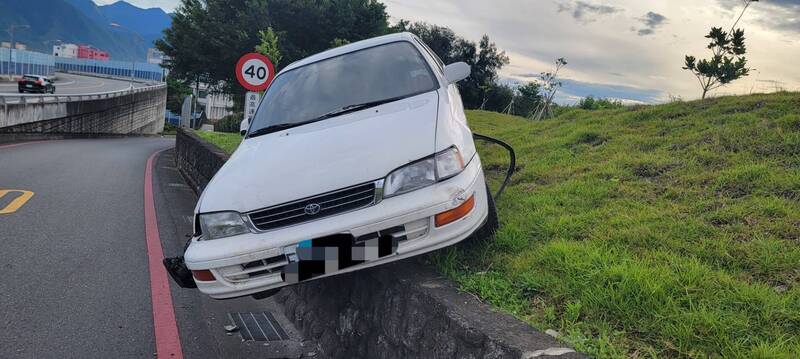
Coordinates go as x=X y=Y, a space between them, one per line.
x=229 y=123
x=591 y=103
x=169 y=129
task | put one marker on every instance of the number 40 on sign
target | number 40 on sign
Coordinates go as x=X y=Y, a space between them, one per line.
x=255 y=71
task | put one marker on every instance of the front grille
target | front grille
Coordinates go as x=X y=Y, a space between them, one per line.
x=326 y=205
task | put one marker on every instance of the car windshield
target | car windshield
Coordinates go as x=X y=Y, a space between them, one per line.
x=29 y=77
x=351 y=81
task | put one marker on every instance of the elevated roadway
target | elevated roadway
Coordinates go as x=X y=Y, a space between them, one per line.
x=74 y=84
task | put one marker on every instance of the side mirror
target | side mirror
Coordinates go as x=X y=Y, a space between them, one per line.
x=244 y=126
x=456 y=72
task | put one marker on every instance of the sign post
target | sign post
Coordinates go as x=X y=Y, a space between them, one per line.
x=251 y=100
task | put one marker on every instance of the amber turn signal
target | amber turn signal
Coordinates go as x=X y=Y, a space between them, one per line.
x=455 y=213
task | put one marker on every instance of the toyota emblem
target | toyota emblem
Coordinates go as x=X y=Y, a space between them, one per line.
x=312 y=209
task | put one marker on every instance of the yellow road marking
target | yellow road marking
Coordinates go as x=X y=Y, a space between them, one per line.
x=18 y=202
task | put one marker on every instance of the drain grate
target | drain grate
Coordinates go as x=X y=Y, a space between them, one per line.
x=258 y=326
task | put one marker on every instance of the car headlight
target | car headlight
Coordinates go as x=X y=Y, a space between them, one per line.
x=222 y=224
x=448 y=163
x=424 y=172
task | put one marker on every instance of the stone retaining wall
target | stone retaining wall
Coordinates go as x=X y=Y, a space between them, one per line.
x=197 y=160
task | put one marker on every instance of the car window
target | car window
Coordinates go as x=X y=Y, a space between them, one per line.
x=389 y=71
x=34 y=78
x=433 y=55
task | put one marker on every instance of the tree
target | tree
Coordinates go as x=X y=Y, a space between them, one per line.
x=269 y=46
x=499 y=98
x=182 y=43
x=207 y=37
x=484 y=58
x=550 y=85
x=339 y=42
x=177 y=90
x=590 y=103
x=527 y=98
x=727 y=62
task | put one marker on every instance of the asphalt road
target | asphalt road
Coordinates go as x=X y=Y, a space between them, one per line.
x=75 y=276
x=71 y=84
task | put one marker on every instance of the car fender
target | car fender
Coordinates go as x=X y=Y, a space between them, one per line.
x=452 y=127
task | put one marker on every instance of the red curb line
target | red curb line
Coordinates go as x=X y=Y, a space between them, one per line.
x=168 y=341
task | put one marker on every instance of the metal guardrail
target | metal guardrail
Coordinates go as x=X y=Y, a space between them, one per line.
x=8 y=99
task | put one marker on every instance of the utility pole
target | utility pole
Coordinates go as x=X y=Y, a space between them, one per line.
x=10 y=31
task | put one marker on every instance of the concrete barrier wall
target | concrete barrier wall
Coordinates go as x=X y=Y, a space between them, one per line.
x=399 y=310
x=196 y=159
x=133 y=111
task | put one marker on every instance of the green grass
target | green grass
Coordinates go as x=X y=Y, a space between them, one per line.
x=655 y=231
x=224 y=140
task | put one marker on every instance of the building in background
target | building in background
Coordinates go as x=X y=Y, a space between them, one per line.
x=66 y=50
x=17 y=45
x=89 y=52
x=214 y=105
x=154 y=56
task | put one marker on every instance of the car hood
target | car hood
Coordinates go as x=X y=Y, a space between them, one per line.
x=324 y=156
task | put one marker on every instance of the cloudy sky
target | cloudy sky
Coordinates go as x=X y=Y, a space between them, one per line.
x=625 y=49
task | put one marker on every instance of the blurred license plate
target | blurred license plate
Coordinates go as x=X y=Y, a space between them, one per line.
x=316 y=257
x=28 y=85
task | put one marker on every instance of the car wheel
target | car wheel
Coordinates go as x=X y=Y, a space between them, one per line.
x=21 y=91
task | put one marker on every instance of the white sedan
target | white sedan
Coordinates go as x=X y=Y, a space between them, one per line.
x=357 y=156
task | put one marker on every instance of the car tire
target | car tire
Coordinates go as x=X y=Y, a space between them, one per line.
x=21 y=90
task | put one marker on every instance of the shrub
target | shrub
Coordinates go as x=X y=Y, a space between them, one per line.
x=229 y=123
x=591 y=103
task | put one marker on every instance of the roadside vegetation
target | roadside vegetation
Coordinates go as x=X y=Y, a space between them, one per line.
x=226 y=141
x=649 y=231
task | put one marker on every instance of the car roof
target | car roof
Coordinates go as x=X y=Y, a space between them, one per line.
x=344 y=49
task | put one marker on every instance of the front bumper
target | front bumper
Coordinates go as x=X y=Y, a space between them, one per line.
x=231 y=260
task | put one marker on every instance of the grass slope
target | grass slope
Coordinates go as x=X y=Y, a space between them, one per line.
x=659 y=231
x=226 y=141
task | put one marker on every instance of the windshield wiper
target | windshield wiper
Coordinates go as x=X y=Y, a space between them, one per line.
x=354 y=108
x=334 y=113
x=273 y=128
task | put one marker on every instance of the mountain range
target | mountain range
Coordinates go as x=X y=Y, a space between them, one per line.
x=84 y=22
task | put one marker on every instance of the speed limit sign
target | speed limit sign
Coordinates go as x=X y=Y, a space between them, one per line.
x=255 y=71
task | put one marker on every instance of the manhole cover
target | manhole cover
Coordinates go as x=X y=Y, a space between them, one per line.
x=258 y=326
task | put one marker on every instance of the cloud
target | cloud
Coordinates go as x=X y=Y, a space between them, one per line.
x=574 y=90
x=780 y=15
x=651 y=22
x=586 y=12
